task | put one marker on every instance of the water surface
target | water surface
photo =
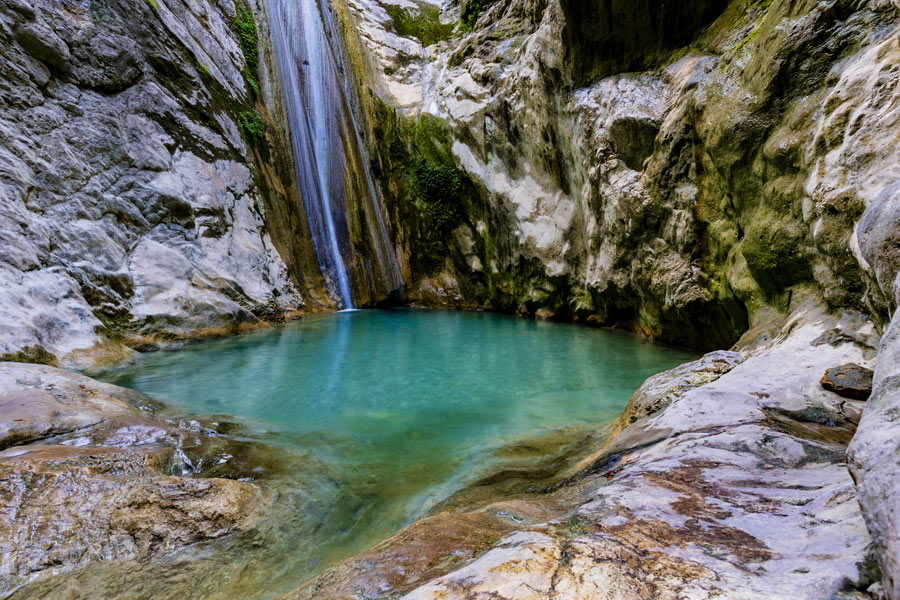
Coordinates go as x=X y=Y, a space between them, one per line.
x=394 y=410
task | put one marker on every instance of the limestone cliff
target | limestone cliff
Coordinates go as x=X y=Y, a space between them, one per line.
x=668 y=170
x=705 y=172
x=138 y=180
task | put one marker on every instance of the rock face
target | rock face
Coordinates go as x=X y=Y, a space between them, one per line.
x=134 y=192
x=875 y=451
x=89 y=475
x=727 y=166
x=695 y=172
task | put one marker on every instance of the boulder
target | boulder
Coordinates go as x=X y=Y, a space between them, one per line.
x=849 y=381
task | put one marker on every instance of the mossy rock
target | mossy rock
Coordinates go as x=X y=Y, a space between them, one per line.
x=424 y=24
x=36 y=354
x=776 y=255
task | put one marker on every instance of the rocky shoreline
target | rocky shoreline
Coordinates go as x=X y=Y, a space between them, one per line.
x=90 y=474
x=723 y=476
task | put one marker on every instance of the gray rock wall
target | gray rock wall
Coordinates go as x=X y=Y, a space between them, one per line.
x=677 y=201
x=692 y=200
x=130 y=209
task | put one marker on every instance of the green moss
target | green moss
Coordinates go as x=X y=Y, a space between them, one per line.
x=421 y=182
x=152 y=4
x=439 y=190
x=471 y=10
x=30 y=354
x=244 y=26
x=775 y=255
x=425 y=26
x=251 y=124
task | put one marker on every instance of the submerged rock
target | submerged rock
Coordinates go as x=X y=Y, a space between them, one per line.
x=849 y=381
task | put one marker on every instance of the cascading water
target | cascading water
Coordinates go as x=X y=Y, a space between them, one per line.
x=327 y=146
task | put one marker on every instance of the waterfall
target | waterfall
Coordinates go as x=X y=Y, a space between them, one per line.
x=327 y=147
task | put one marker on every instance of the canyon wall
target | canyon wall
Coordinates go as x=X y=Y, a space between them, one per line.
x=137 y=182
x=609 y=162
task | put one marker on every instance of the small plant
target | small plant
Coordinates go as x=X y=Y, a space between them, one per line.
x=252 y=125
x=252 y=84
x=244 y=26
x=99 y=10
x=471 y=10
x=152 y=4
x=204 y=68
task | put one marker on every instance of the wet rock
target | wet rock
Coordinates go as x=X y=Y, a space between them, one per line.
x=89 y=474
x=38 y=401
x=115 y=141
x=64 y=507
x=659 y=391
x=849 y=381
x=875 y=459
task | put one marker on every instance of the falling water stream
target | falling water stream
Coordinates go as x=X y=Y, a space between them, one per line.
x=328 y=150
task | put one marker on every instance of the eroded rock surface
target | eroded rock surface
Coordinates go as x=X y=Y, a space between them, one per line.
x=130 y=210
x=89 y=474
x=677 y=192
x=875 y=451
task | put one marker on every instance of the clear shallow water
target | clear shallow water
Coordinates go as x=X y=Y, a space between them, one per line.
x=396 y=409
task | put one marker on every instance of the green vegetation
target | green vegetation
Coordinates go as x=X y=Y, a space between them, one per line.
x=244 y=26
x=439 y=190
x=252 y=125
x=99 y=10
x=425 y=27
x=422 y=182
x=471 y=10
x=152 y=4
x=775 y=254
x=37 y=355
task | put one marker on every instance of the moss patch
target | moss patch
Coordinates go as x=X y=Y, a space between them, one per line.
x=425 y=189
x=775 y=255
x=251 y=124
x=36 y=354
x=425 y=26
x=244 y=26
x=471 y=10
